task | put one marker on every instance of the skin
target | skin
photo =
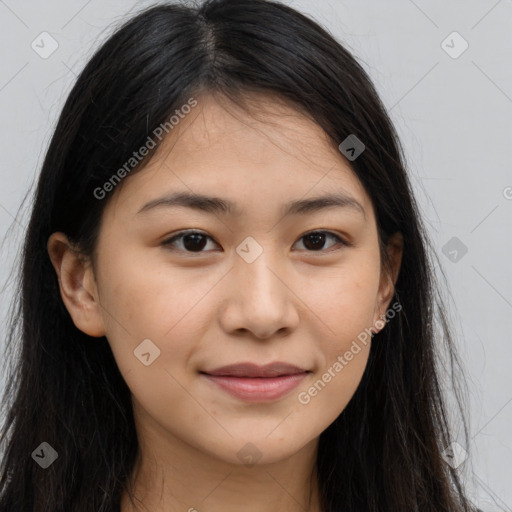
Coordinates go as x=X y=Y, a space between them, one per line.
x=207 y=309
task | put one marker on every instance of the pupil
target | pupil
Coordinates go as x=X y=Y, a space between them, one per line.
x=194 y=245
x=316 y=237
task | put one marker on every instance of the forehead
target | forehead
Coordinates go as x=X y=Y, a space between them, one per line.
x=270 y=155
x=272 y=130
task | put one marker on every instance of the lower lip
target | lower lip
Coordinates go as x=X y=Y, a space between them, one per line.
x=257 y=389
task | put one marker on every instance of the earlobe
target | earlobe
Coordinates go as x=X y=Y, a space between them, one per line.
x=77 y=285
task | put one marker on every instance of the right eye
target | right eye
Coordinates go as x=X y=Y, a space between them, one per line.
x=191 y=241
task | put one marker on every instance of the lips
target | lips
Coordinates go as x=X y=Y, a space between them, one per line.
x=253 y=383
x=252 y=370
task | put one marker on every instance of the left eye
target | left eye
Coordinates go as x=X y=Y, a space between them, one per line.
x=317 y=238
x=195 y=241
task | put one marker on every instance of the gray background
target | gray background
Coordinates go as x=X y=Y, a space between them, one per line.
x=454 y=117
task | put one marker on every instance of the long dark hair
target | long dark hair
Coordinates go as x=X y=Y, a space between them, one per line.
x=385 y=450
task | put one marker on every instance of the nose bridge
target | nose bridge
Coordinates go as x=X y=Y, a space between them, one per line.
x=255 y=281
x=256 y=278
x=258 y=299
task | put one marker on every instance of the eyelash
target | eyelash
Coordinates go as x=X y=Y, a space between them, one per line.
x=182 y=234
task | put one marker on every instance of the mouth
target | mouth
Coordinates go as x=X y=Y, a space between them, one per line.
x=252 y=383
x=251 y=370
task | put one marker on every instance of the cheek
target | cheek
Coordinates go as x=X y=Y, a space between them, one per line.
x=333 y=387
x=171 y=307
x=141 y=301
x=345 y=301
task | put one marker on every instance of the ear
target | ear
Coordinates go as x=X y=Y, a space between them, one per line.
x=388 y=278
x=77 y=285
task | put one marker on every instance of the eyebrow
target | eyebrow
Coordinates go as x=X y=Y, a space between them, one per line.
x=209 y=204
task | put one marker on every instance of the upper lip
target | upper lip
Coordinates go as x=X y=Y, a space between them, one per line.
x=274 y=369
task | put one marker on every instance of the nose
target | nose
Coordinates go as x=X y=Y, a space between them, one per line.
x=259 y=299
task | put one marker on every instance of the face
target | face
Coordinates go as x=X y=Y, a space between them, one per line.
x=180 y=291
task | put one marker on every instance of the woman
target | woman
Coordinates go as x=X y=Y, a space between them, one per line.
x=226 y=297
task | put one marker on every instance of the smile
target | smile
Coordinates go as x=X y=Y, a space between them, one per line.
x=257 y=389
